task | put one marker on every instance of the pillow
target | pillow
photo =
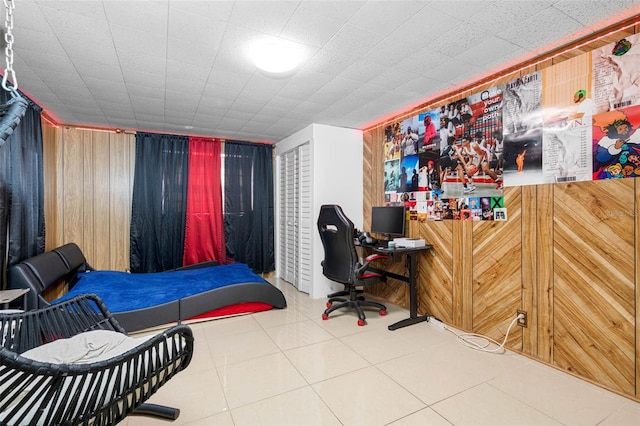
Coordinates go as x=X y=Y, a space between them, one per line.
x=84 y=348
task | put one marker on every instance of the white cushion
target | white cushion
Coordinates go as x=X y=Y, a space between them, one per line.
x=84 y=348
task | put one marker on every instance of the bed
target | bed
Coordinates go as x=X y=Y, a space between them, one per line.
x=139 y=301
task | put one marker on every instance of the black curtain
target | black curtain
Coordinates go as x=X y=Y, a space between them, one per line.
x=159 y=202
x=248 y=205
x=21 y=190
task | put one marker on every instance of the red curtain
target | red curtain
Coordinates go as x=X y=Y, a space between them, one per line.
x=204 y=226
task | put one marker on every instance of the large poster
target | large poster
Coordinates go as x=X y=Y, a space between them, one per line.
x=573 y=121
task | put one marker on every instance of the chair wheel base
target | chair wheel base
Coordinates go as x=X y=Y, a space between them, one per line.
x=325 y=317
x=383 y=312
x=361 y=322
x=329 y=304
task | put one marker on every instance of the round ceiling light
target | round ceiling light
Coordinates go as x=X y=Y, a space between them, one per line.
x=276 y=56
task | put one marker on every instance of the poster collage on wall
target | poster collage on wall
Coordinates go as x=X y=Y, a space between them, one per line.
x=573 y=121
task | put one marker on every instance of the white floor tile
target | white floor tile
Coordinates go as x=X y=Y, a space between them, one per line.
x=289 y=367
x=229 y=349
x=561 y=396
x=485 y=405
x=324 y=360
x=367 y=397
x=259 y=378
x=426 y=416
x=297 y=334
x=298 y=407
x=627 y=415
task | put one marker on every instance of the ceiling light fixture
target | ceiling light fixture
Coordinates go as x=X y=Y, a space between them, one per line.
x=276 y=56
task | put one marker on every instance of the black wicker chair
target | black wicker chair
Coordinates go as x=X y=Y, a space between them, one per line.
x=96 y=393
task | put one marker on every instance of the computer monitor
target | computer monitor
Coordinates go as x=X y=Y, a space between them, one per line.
x=388 y=220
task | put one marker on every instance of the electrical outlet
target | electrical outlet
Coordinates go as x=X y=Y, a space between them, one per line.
x=522 y=322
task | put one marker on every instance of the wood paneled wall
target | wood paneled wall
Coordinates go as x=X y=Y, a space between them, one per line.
x=568 y=255
x=88 y=191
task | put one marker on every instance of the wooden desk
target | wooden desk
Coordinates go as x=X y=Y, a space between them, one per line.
x=411 y=279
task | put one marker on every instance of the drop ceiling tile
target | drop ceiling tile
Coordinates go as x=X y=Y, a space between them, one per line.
x=393 y=77
x=37 y=61
x=140 y=62
x=385 y=17
x=459 y=9
x=424 y=26
x=198 y=29
x=502 y=15
x=328 y=62
x=89 y=9
x=128 y=13
x=38 y=42
x=244 y=107
x=104 y=94
x=99 y=55
x=341 y=10
x=309 y=28
x=72 y=28
x=107 y=74
x=268 y=17
x=283 y=103
x=453 y=70
x=133 y=77
x=591 y=12
x=139 y=42
x=422 y=61
x=491 y=52
x=363 y=70
x=303 y=89
x=118 y=115
x=27 y=16
x=548 y=28
x=460 y=38
x=219 y=10
x=227 y=124
x=389 y=51
x=352 y=41
x=187 y=72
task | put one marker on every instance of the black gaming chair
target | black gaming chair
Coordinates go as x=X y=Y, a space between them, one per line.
x=341 y=263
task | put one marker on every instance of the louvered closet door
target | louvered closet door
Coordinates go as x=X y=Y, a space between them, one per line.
x=296 y=221
x=305 y=219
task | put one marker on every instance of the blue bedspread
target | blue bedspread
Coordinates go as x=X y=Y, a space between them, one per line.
x=123 y=292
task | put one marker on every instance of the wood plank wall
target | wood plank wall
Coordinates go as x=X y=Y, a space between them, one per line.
x=568 y=255
x=88 y=178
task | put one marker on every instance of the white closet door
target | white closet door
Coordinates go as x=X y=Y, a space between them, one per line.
x=295 y=217
x=305 y=220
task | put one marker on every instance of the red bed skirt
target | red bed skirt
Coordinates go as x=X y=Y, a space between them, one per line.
x=237 y=309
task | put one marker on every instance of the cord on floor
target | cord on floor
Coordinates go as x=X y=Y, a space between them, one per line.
x=478 y=341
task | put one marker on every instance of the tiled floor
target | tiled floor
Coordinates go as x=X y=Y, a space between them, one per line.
x=288 y=367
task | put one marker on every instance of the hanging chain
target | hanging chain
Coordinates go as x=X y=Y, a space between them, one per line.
x=8 y=50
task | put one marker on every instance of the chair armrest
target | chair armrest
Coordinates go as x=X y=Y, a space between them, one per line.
x=375 y=256
x=362 y=269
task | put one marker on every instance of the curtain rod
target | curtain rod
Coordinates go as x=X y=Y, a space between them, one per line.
x=272 y=145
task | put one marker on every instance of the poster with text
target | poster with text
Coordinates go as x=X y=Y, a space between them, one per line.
x=567 y=114
x=616 y=74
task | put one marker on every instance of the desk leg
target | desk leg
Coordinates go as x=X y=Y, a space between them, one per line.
x=413 y=297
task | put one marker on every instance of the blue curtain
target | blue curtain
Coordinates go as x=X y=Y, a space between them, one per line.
x=21 y=190
x=159 y=202
x=248 y=205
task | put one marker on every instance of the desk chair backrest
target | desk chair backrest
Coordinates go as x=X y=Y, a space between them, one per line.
x=340 y=256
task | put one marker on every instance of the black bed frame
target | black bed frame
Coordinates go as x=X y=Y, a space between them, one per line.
x=62 y=264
